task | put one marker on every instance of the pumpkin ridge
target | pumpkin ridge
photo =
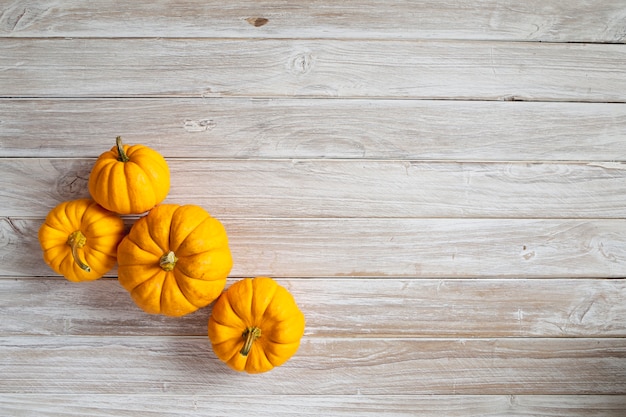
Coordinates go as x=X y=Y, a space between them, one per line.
x=200 y=305
x=185 y=254
x=160 y=164
x=156 y=174
x=144 y=281
x=242 y=308
x=132 y=165
x=50 y=236
x=70 y=218
x=261 y=316
x=176 y=247
x=101 y=260
x=83 y=215
x=258 y=351
x=137 y=243
x=235 y=352
x=66 y=258
x=100 y=224
x=189 y=277
x=182 y=306
x=134 y=294
x=110 y=233
x=94 y=216
x=118 y=171
x=156 y=241
x=93 y=250
x=221 y=323
x=162 y=296
x=103 y=167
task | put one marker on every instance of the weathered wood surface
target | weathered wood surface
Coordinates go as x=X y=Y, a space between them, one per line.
x=353 y=188
x=95 y=405
x=322 y=366
x=418 y=248
x=312 y=68
x=533 y=20
x=456 y=251
x=321 y=128
x=339 y=307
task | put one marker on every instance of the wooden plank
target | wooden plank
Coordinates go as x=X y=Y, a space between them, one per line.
x=312 y=68
x=340 y=307
x=322 y=366
x=339 y=188
x=424 y=248
x=95 y=405
x=547 y=21
x=322 y=128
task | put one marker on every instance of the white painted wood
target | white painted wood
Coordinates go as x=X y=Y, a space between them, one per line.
x=321 y=128
x=322 y=366
x=455 y=252
x=538 y=20
x=339 y=307
x=201 y=404
x=353 y=188
x=424 y=248
x=312 y=68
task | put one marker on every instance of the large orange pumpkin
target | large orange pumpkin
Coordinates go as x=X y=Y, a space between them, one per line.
x=129 y=179
x=174 y=260
x=255 y=325
x=79 y=239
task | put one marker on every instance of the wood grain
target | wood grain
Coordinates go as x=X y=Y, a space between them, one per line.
x=339 y=188
x=322 y=366
x=201 y=403
x=547 y=20
x=414 y=308
x=312 y=68
x=423 y=248
x=321 y=128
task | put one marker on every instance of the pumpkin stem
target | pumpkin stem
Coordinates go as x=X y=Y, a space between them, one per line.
x=77 y=240
x=168 y=261
x=250 y=334
x=120 y=150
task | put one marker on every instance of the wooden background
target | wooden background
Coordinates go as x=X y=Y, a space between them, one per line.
x=440 y=184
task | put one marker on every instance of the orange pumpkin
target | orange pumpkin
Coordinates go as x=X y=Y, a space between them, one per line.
x=79 y=239
x=129 y=179
x=255 y=325
x=174 y=260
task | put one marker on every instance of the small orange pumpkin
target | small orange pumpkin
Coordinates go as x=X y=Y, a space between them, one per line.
x=174 y=260
x=79 y=239
x=129 y=179
x=255 y=325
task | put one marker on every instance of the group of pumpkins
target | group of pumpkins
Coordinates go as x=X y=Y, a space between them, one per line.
x=174 y=260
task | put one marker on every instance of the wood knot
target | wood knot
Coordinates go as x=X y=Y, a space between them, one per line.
x=301 y=63
x=198 y=125
x=257 y=21
x=72 y=185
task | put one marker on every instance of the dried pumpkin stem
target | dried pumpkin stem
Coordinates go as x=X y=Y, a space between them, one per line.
x=250 y=335
x=120 y=150
x=77 y=240
x=168 y=261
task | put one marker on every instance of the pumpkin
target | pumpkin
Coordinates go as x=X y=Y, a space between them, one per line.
x=174 y=260
x=79 y=239
x=129 y=179
x=255 y=325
